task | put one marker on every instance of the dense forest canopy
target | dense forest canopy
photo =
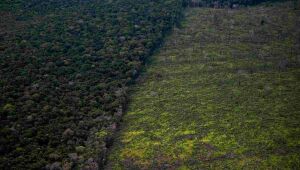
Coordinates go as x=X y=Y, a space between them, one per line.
x=64 y=71
x=222 y=3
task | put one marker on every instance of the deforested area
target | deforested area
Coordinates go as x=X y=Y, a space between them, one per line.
x=223 y=92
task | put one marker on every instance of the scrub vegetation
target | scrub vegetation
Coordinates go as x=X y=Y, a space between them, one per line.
x=223 y=92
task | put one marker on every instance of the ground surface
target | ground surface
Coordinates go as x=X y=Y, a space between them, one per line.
x=223 y=92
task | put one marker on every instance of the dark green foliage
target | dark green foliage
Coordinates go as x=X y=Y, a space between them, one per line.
x=64 y=70
x=222 y=3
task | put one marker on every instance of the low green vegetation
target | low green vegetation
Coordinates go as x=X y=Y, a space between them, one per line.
x=223 y=92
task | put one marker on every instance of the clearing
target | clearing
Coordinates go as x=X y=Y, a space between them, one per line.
x=222 y=92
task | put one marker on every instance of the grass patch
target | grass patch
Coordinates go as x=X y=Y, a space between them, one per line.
x=223 y=92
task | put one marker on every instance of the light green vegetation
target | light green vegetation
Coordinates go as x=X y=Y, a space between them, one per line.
x=222 y=93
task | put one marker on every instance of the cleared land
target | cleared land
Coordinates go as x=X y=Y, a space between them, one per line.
x=223 y=92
